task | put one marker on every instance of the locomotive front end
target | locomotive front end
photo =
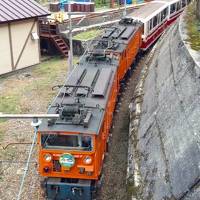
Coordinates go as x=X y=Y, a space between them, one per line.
x=67 y=155
x=68 y=160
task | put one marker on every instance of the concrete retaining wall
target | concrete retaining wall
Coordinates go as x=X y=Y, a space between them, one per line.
x=169 y=131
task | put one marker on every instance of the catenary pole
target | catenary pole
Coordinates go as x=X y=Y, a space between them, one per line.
x=70 y=56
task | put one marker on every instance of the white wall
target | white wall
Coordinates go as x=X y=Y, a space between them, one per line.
x=20 y=31
x=5 y=56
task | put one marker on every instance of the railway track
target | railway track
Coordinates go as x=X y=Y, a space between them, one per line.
x=89 y=19
x=115 y=166
x=108 y=13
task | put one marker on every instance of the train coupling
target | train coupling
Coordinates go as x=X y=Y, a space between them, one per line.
x=68 y=189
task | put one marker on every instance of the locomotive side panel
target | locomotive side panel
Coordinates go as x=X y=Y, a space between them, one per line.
x=111 y=105
x=131 y=50
x=133 y=47
x=128 y=55
x=102 y=138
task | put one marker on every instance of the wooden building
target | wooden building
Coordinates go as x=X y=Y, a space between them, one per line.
x=19 y=34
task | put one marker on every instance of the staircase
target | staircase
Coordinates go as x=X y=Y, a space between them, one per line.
x=49 y=31
x=60 y=44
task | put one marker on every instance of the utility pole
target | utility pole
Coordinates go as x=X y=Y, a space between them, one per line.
x=111 y=3
x=124 y=13
x=70 y=55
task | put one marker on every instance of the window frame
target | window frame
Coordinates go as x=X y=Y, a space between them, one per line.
x=174 y=9
x=68 y=148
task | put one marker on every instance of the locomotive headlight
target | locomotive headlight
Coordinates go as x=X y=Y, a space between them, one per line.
x=87 y=160
x=47 y=157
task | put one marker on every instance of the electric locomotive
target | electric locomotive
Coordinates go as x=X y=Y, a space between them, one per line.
x=72 y=147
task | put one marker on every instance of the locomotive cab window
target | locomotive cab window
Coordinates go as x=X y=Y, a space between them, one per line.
x=69 y=142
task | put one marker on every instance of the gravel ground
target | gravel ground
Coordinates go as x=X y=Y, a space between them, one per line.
x=12 y=166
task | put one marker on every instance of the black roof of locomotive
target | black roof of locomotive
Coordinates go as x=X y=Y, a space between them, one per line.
x=120 y=33
x=96 y=103
x=96 y=73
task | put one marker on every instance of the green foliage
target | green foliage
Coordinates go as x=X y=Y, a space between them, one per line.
x=193 y=27
x=8 y=103
x=1 y=133
x=87 y=35
x=102 y=3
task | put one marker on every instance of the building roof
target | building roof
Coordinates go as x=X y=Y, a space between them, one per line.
x=12 y=10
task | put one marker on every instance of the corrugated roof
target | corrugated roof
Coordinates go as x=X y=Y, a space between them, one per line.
x=11 y=10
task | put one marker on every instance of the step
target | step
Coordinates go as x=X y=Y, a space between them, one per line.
x=61 y=45
x=56 y=37
x=65 y=52
x=66 y=55
x=59 y=41
x=64 y=48
x=47 y=35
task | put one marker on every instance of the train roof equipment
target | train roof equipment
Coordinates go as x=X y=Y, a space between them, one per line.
x=82 y=100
